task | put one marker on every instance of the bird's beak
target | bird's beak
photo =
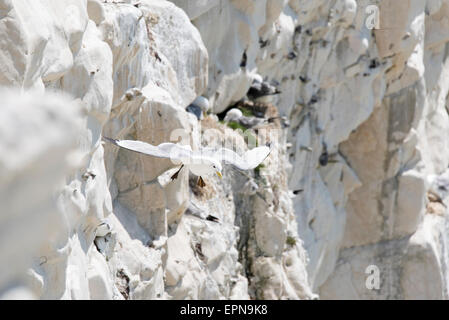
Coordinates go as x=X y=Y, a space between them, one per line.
x=219 y=174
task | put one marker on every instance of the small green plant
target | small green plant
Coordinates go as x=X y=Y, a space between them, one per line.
x=246 y=112
x=291 y=241
x=235 y=125
x=258 y=168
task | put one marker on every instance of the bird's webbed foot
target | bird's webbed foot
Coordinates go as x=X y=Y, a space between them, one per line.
x=201 y=182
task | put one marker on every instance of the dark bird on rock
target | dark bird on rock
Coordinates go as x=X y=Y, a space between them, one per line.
x=260 y=89
x=324 y=157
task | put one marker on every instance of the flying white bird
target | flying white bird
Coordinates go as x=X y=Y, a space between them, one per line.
x=202 y=162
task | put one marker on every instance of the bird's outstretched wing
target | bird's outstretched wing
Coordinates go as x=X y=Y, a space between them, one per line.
x=250 y=159
x=170 y=151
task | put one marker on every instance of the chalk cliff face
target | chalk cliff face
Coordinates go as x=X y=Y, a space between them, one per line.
x=357 y=179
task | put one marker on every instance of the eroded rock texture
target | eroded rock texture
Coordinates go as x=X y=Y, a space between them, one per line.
x=357 y=176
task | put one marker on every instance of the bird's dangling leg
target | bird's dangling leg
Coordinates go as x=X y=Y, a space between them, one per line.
x=201 y=182
x=175 y=175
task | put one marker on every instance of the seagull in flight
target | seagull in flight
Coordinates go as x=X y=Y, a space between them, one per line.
x=201 y=163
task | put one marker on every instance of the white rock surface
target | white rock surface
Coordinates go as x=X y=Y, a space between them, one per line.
x=358 y=177
x=38 y=149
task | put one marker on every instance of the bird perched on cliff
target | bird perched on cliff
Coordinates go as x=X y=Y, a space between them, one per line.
x=103 y=229
x=261 y=90
x=199 y=107
x=202 y=162
x=236 y=115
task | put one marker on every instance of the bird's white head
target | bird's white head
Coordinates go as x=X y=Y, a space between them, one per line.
x=233 y=115
x=257 y=78
x=216 y=167
x=206 y=166
x=202 y=102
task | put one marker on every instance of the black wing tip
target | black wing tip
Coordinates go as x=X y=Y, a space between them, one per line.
x=114 y=141
x=270 y=145
x=270 y=149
